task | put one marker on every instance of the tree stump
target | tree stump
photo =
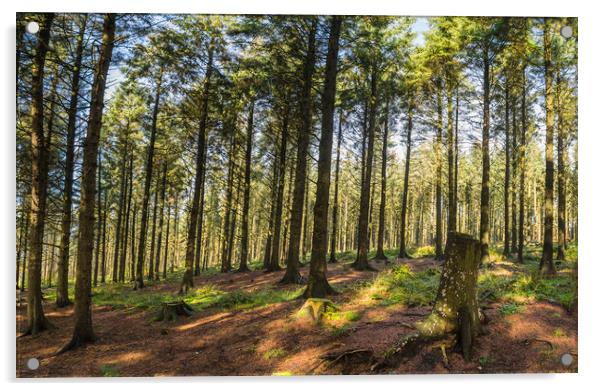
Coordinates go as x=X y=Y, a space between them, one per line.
x=456 y=310
x=171 y=310
x=314 y=309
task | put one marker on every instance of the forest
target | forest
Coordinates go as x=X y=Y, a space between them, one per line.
x=295 y=195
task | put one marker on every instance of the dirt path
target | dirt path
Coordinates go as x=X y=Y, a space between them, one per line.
x=267 y=340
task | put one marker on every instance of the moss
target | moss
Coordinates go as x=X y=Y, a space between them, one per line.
x=109 y=371
x=274 y=353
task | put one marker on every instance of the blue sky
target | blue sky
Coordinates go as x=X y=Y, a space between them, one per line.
x=420 y=27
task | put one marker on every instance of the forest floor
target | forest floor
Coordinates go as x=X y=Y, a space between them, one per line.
x=247 y=324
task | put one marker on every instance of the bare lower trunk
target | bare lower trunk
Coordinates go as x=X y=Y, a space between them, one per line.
x=317 y=285
x=36 y=320
x=83 y=332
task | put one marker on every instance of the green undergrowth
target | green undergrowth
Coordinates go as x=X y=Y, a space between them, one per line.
x=202 y=297
x=524 y=284
x=400 y=285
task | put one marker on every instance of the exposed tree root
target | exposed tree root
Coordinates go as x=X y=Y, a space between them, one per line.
x=292 y=278
x=76 y=342
x=364 y=355
x=363 y=266
x=243 y=269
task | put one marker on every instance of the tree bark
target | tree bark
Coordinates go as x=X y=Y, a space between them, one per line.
x=244 y=241
x=406 y=183
x=83 y=331
x=151 y=261
x=561 y=156
x=274 y=264
x=484 y=228
x=187 y=279
x=456 y=309
x=522 y=153
x=62 y=294
x=506 y=252
x=129 y=187
x=292 y=275
x=335 y=206
x=36 y=320
x=361 y=262
x=318 y=285
x=546 y=265
x=438 y=179
x=99 y=221
x=380 y=252
x=451 y=178
x=226 y=265
x=139 y=283
x=160 y=234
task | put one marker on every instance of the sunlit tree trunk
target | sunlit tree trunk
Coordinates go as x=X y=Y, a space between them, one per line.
x=139 y=284
x=438 y=178
x=406 y=183
x=36 y=320
x=62 y=295
x=292 y=260
x=546 y=266
x=522 y=167
x=561 y=156
x=83 y=332
x=317 y=285
x=335 y=206
x=160 y=234
x=380 y=253
x=187 y=279
x=484 y=229
x=361 y=263
x=244 y=241
x=506 y=252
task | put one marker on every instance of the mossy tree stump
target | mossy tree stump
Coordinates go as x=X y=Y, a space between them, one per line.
x=171 y=310
x=314 y=309
x=456 y=310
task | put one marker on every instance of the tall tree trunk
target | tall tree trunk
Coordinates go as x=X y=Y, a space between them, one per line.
x=292 y=275
x=132 y=245
x=83 y=332
x=335 y=206
x=451 y=189
x=151 y=261
x=226 y=265
x=361 y=263
x=380 y=253
x=522 y=165
x=317 y=285
x=129 y=187
x=513 y=158
x=561 y=156
x=139 y=284
x=268 y=245
x=244 y=241
x=403 y=253
x=62 y=294
x=36 y=320
x=104 y=240
x=99 y=221
x=438 y=179
x=166 y=241
x=187 y=279
x=199 y=229
x=546 y=266
x=118 y=229
x=275 y=252
x=506 y=252
x=484 y=228
x=160 y=234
